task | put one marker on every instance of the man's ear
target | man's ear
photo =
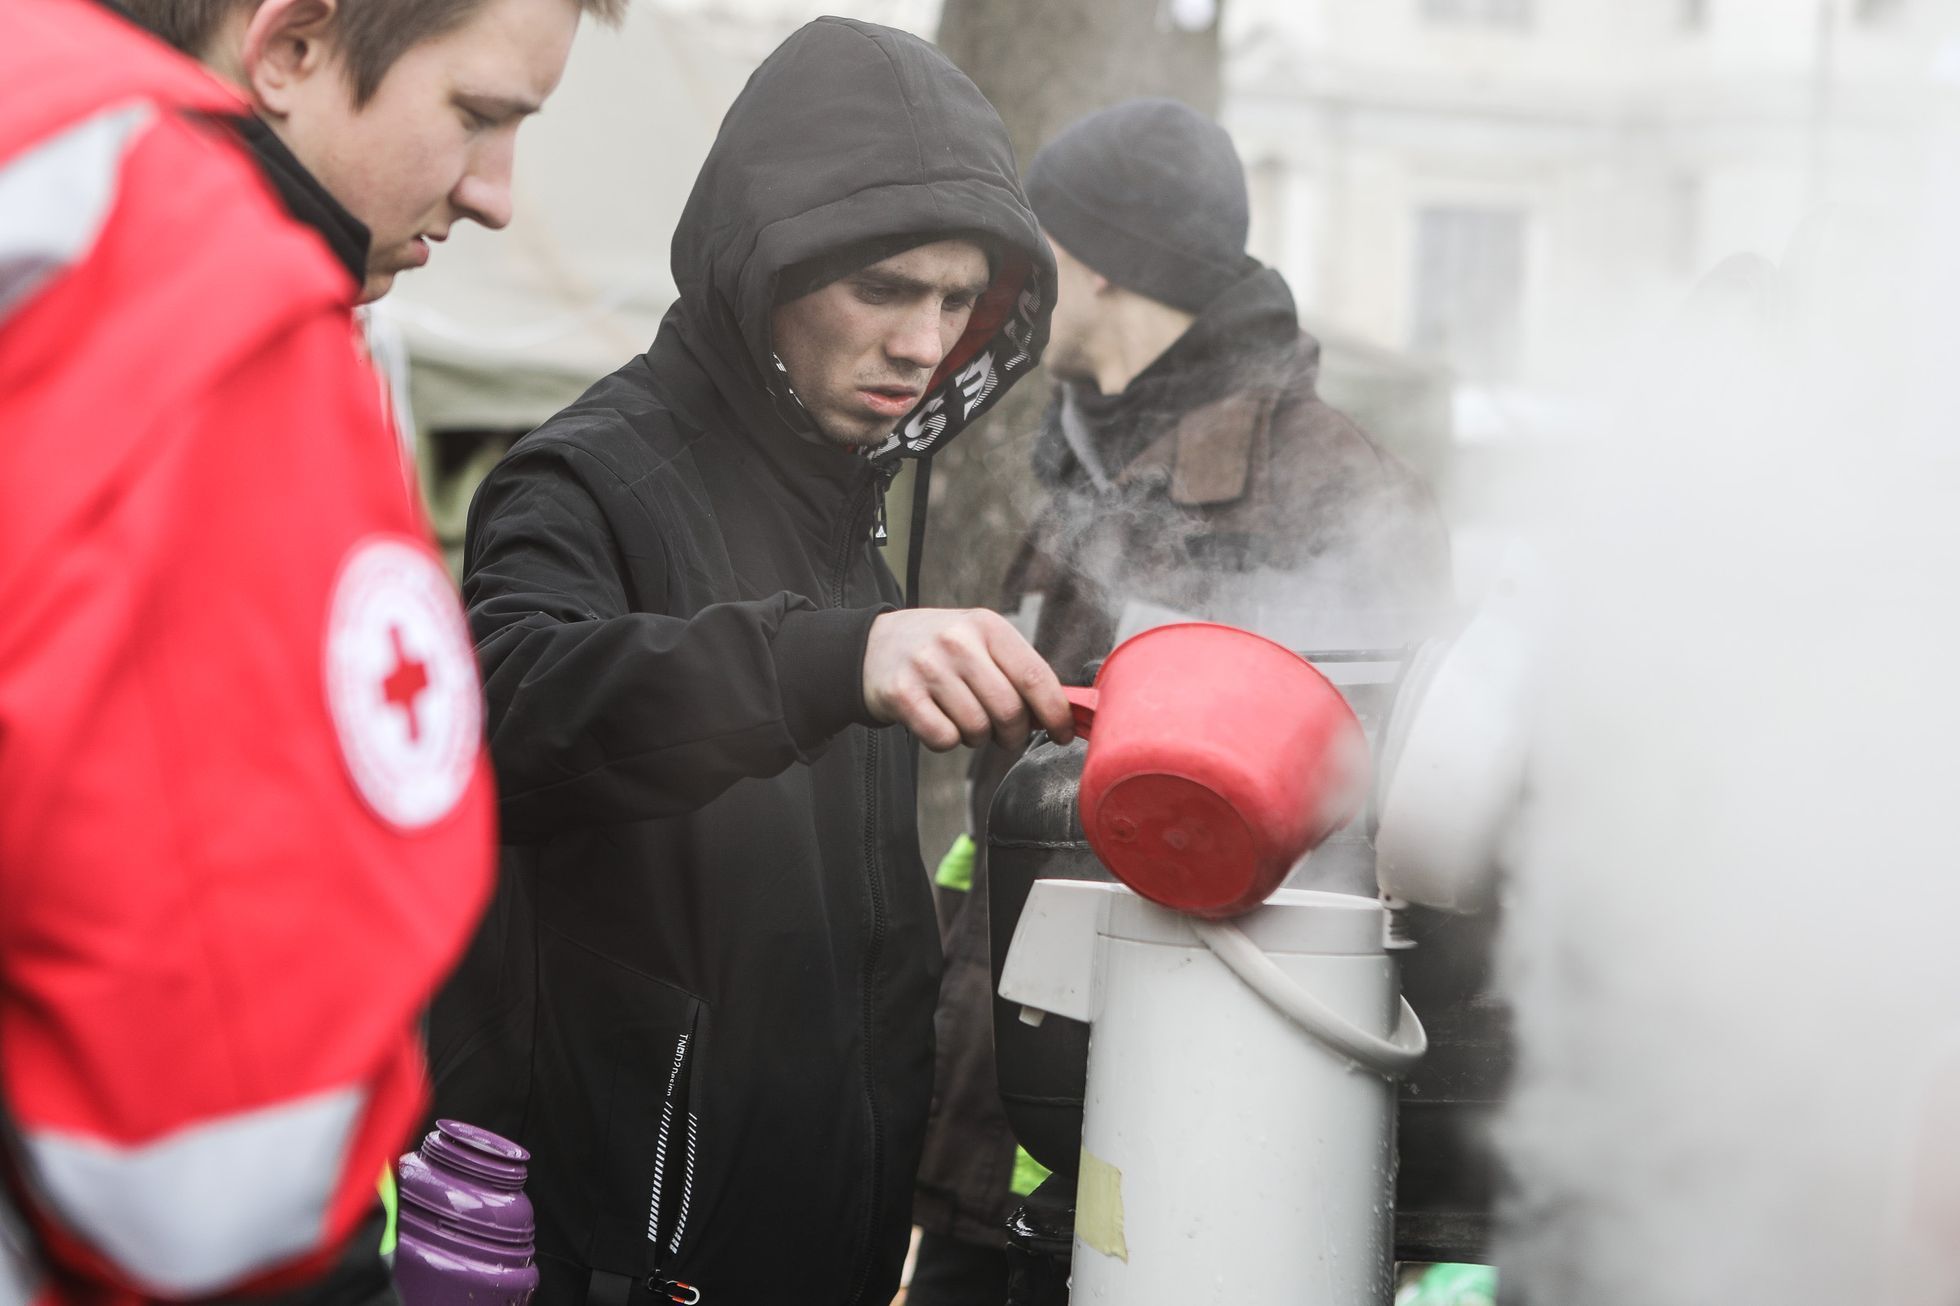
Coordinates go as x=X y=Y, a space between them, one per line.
x=286 y=43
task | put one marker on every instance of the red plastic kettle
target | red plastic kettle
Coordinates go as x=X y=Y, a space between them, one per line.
x=1217 y=759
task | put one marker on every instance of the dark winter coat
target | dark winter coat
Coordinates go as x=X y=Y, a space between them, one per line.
x=1227 y=490
x=703 y=997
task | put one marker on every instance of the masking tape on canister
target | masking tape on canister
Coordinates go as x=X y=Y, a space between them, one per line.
x=1099 y=1207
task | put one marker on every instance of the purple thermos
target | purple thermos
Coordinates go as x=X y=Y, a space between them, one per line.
x=465 y=1225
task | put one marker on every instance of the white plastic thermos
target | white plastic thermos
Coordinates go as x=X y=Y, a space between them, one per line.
x=1238 y=1140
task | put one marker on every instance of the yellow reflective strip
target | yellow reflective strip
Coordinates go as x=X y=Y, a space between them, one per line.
x=956 y=867
x=386 y=1187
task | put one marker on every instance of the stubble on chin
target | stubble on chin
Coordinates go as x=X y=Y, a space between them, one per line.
x=854 y=435
x=855 y=438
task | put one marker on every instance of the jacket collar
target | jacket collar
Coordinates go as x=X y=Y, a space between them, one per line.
x=1197 y=413
x=1206 y=459
x=305 y=199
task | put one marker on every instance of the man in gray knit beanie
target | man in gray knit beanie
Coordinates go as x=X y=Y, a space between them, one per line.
x=1145 y=206
x=1150 y=194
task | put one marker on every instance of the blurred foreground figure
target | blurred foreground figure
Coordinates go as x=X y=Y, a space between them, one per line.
x=1194 y=473
x=704 y=997
x=245 y=822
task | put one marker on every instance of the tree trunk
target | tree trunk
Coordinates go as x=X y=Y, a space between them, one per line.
x=1043 y=63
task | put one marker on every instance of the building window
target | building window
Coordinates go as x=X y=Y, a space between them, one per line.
x=1469 y=290
x=1494 y=13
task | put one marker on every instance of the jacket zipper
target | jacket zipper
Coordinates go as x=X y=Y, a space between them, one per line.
x=886 y=475
x=874 y=946
x=867 y=1009
x=673 y=1289
x=854 y=533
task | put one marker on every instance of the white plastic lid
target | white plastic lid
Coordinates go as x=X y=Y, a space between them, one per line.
x=1291 y=921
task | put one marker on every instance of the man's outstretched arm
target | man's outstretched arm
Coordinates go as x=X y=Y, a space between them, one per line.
x=600 y=713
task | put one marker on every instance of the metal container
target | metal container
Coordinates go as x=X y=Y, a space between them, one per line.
x=1034 y=833
x=1447 y=1175
x=1239 y=1137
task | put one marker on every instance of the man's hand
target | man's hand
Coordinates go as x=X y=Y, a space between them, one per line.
x=954 y=677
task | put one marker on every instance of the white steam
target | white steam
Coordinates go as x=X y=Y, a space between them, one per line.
x=1733 y=938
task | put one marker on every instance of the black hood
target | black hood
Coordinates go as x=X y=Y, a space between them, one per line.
x=853 y=133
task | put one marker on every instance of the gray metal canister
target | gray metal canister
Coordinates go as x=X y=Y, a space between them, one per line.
x=1446 y=1174
x=1238 y=1138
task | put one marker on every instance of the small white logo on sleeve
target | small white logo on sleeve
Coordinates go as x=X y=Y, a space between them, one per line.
x=401 y=683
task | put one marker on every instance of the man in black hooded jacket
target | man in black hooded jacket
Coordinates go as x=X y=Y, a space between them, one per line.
x=703 y=997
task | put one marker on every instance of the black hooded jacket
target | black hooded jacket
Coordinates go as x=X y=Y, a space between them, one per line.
x=703 y=996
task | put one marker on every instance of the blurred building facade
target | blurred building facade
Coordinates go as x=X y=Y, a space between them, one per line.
x=1474 y=200
x=1513 y=188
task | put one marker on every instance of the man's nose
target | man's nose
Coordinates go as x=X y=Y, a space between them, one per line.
x=917 y=337
x=483 y=195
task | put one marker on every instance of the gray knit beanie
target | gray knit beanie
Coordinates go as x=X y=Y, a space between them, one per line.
x=1151 y=194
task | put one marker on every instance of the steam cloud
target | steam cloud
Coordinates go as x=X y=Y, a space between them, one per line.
x=1731 y=932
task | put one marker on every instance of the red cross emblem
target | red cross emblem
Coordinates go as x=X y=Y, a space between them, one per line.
x=405 y=683
x=401 y=682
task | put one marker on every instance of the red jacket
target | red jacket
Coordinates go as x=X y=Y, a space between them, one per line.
x=245 y=824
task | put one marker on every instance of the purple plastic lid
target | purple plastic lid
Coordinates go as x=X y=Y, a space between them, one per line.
x=483 y=1140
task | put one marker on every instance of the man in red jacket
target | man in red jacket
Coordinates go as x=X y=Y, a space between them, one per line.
x=245 y=823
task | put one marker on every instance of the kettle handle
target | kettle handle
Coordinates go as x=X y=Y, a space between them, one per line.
x=1082 y=705
x=1389 y=1057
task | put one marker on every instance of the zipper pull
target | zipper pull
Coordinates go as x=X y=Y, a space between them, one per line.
x=674 y=1290
x=879 y=535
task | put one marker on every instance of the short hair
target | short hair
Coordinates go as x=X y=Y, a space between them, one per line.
x=371 y=34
